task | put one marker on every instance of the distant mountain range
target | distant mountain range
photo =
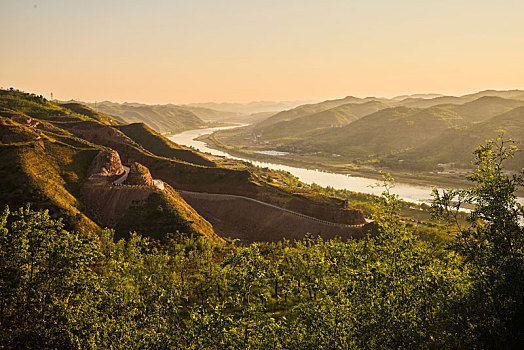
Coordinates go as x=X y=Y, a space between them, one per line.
x=172 y=118
x=248 y=108
x=416 y=132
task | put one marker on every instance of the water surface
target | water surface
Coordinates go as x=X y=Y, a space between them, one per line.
x=408 y=192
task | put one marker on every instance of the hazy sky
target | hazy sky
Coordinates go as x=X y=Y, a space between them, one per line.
x=170 y=51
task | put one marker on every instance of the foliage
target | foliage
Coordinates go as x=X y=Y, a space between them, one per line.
x=190 y=293
x=492 y=245
x=61 y=289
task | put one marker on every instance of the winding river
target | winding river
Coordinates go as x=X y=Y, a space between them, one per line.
x=407 y=192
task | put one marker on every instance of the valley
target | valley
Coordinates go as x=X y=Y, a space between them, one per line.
x=424 y=141
x=124 y=213
x=151 y=200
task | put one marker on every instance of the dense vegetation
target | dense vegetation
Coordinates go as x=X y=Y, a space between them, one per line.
x=61 y=289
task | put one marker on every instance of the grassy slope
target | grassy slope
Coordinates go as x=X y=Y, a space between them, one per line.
x=46 y=169
x=333 y=117
x=160 y=146
x=389 y=130
x=162 y=118
x=456 y=145
x=47 y=166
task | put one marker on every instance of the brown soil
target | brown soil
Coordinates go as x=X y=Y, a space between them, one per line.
x=109 y=204
x=250 y=222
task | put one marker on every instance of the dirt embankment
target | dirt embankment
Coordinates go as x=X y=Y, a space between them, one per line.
x=253 y=222
x=185 y=176
x=109 y=203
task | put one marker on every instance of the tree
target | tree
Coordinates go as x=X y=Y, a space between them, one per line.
x=492 y=246
x=47 y=285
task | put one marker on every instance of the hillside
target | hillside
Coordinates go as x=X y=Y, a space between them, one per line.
x=75 y=165
x=430 y=102
x=484 y=108
x=454 y=146
x=386 y=131
x=416 y=132
x=330 y=118
x=510 y=94
x=84 y=110
x=308 y=109
x=422 y=138
x=161 y=146
x=43 y=163
x=162 y=118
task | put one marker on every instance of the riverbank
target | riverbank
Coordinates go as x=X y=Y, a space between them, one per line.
x=417 y=179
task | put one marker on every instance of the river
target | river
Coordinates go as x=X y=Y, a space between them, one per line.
x=407 y=192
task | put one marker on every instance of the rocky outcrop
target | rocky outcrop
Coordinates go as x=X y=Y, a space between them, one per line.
x=106 y=163
x=139 y=175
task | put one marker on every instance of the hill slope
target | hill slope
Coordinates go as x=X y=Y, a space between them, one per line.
x=333 y=117
x=386 y=131
x=63 y=147
x=47 y=165
x=308 y=109
x=160 y=146
x=162 y=118
x=456 y=144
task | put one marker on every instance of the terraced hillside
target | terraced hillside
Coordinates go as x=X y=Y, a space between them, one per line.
x=45 y=164
x=49 y=153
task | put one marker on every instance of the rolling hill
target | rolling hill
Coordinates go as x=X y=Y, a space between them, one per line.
x=416 y=132
x=162 y=118
x=308 y=109
x=385 y=131
x=454 y=145
x=484 y=108
x=330 y=118
x=97 y=172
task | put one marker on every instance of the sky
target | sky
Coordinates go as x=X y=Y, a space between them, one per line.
x=173 y=51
